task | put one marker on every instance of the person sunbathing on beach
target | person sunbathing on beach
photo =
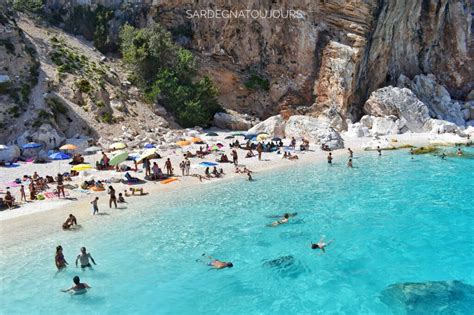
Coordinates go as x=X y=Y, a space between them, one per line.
x=216 y=263
x=70 y=222
x=59 y=259
x=78 y=287
x=320 y=245
x=250 y=154
x=135 y=192
x=292 y=157
x=83 y=258
x=283 y=220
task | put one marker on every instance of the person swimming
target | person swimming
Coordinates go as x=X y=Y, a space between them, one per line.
x=320 y=245
x=78 y=287
x=59 y=259
x=459 y=152
x=283 y=220
x=216 y=263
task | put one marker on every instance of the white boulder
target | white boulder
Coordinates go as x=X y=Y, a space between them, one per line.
x=274 y=126
x=313 y=129
x=367 y=121
x=399 y=102
x=357 y=130
x=440 y=126
x=435 y=96
x=231 y=120
x=46 y=135
x=389 y=125
x=10 y=154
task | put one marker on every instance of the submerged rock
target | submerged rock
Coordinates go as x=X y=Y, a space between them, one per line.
x=285 y=266
x=432 y=297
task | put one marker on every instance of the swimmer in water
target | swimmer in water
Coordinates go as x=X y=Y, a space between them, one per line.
x=78 y=287
x=283 y=220
x=320 y=245
x=217 y=264
x=59 y=259
x=84 y=257
x=459 y=153
x=443 y=156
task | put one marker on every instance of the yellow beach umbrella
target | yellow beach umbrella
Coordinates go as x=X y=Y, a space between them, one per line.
x=196 y=139
x=81 y=167
x=146 y=154
x=118 y=146
x=68 y=147
x=262 y=136
x=183 y=143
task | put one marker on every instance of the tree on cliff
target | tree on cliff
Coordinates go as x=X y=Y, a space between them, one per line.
x=167 y=73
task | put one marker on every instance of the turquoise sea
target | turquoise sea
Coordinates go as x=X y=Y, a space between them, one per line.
x=393 y=221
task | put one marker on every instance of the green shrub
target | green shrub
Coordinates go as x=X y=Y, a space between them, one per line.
x=107 y=118
x=84 y=86
x=256 y=81
x=56 y=106
x=33 y=6
x=167 y=73
x=4 y=87
x=100 y=104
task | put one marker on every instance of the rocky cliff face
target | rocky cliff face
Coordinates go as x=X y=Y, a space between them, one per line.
x=325 y=63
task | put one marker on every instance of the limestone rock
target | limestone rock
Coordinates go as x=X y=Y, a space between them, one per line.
x=231 y=120
x=274 y=126
x=49 y=137
x=357 y=130
x=10 y=154
x=314 y=130
x=367 y=121
x=389 y=125
x=435 y=96
x=401 y=103
x=440 y=126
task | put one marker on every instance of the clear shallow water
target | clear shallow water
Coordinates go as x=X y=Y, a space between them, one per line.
x=393 y=220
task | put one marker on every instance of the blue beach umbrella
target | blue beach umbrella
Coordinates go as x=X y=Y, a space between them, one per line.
x=31 y=145
x=149 y=146
x=59 y=156
x=250 y=136
x=208 y=164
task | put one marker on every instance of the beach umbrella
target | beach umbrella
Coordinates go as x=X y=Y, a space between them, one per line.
x=93 y=149
x=183 y=143
x=59 y=156
x=208 y=164
x=68 y=147
x=118 y=158
x=31 y=145
x=219 y=145
x=211 y=134
x=214 y=148
x=239 y=135
x=3 y=147
x=147 y=154
x=229 y=137
x=118 y=146
x=262 y=136
x=149 y=146
x=250 y=136
x=81 y=167
x=196 y=140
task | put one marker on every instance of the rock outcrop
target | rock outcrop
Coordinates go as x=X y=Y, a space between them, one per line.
x=10 y=154
x=400 y=103
x=232 y=120
x=274 y=126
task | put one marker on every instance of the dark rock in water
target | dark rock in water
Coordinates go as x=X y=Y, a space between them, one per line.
x=433 y=297
x=286 y=266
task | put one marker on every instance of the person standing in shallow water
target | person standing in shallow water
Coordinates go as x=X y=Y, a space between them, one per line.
x=379 y=151
x=59 y=259
x=330 y=158
x=113 y=198
x=349 y=163
x=350 y=153
x=95 y=207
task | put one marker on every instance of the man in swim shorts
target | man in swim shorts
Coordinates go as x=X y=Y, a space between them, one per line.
x=217 y=264
x=78 y=286
x=320 y=245
x=84 y=257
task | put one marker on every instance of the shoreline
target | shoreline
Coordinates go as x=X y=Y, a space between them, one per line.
x=41 y=218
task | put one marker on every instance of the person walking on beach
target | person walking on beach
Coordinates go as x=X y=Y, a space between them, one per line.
x=182 y=167
x=78 y=287
x=330 y=158
x=113 y=198
x=22 y=193
x=260 y=150
x=187 y=166
x=349 y=163
x=60 y=186
x=293 y=142
x=59 y=259
x=379 y=151
x=84 y=257
x=169 y=167
x=235 y=157
x=95 y=208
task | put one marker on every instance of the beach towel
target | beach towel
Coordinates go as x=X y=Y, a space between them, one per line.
x=12 y=165
x=169 y=180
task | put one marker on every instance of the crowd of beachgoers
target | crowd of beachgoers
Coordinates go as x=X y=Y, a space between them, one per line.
x=126 y=175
